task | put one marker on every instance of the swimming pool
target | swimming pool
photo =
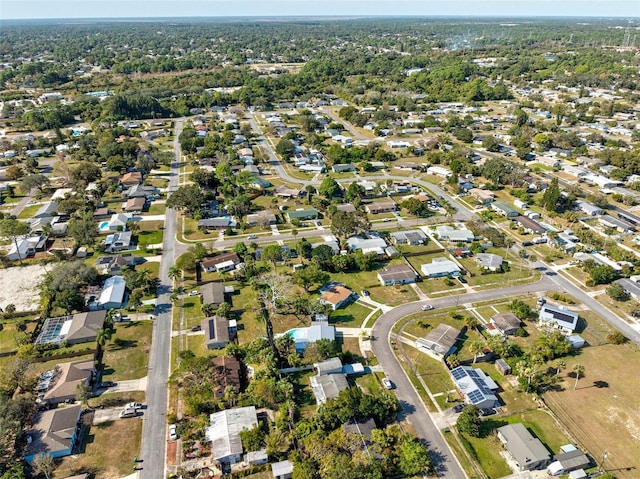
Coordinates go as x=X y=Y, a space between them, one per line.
x=297 y=333
x=104 y=225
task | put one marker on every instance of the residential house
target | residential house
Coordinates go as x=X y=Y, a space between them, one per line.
x=397 y=274
x=224 y=432
x=506 y=324
x=343 y=167
x=530 y=225
x=54 y=432
x=302 y=214
x=212 y=293
x=346 y=208
x=73 y=329
x=63 y=384
x=118 y=241
x=631 y=287
x=282 y=470
x=140 y=191
x=328 y=386
x=411 y=237
x=336 y=296
x=489 y=261
x=262 y=218
x=475 y=387
x=227 y=374
x=439 y=268
x=616 y=223
x=331 y=242
x=287 y=192
x=406 y=166
x=439 y=171
x=455 y=235
x=377 y=208
x=220 y=223
x=220 y=263
x=135 y=205
x=328 y=366
x=48 y=209
x=114 y=264
x=319 y=329
x=130 y=179
x=118 y=221
x=216 y=332
x=558 y=317
x=570 y=459
x=482 y=196
x=439 y=342
x=256 y=458
x=505 y=209
x=370 y=244
x=362 y=428
x=527 y=451
x=112 y=295
x=26 y=247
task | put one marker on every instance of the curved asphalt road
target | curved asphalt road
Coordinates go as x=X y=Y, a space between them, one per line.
x=414 y=410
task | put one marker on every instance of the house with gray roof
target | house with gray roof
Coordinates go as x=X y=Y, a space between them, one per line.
x=224 y=432
x=212 y=293
x=72 y=329
x=47 y=209
x=439 y=342
x=216 y=332
x=504 y=209
x=282 y=469
x=489 y=261
x=302 y=214
x=328 y=386
x=397 y=274
x=475 y=387
x=411 y=237
x=526 y=450
x=506 y=323
x=54 y=432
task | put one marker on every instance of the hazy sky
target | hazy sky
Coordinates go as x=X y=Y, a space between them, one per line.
x=13 y=9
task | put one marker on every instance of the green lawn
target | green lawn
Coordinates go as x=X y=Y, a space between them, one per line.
x=157 y=209
x=127 y=354
x=28 y=212
x=351 y=316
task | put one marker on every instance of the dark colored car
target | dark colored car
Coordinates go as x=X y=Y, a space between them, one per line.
x=107 y=384
x=458 y=407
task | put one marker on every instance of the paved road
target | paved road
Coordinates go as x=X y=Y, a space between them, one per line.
x=350 y=128
x=413 y=408
x=154 y=435
x=610 y=317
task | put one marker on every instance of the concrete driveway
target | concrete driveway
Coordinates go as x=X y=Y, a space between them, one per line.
x=127 y=386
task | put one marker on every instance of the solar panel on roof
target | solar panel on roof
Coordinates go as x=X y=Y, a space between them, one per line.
x=475 y=397
x=458 y=373
x=563 y=317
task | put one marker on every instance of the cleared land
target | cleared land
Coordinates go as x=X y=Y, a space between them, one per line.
x=20 y=286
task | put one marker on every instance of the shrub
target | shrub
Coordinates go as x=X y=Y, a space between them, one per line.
x=616 y=338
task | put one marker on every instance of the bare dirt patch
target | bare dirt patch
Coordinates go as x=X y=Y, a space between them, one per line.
x=19 y=286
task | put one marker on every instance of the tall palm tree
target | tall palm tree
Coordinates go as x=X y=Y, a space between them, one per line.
x=559 y=364
x=476 y=348
x=471 y=322
x=579 y=370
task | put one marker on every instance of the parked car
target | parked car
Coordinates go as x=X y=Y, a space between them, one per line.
x=128 y=413
x=194 y=293
x=107 y=384
x=173 y=432
x=386 y=382
x=133 y=405
x=461 y=279
x=196 y=328
x=365 y=292
x=426 y=307
x=458 y=407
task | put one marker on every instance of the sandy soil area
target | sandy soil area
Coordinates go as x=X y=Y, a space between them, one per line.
x=19 y=286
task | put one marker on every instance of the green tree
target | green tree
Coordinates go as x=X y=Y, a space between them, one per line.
x=83 y=229
x=13 y=229
x=469 y=421
x=34 y=181
x=578 y=369
x=476 y=348
x=272 y=253
x=490 y=143
x=188 y=198
x=617 y=292
x=285 y=148
x=413 y=457
x=329 y=188
x=309 y=276
x=551 y=197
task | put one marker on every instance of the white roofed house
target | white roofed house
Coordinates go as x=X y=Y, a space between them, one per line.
x=558 y=317
x=455 y=235
x=118 y=241
x=47 y=209
x=489 y=261
x=112 y=295
x=118 y=220
x=224 y=432
x=439 y=268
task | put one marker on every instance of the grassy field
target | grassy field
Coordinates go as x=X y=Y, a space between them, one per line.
x=157 y=209
x=351 y=316
x=107 y=450
x=127 y=354
x=601 y=412
x=28 y=212
x=151 y=232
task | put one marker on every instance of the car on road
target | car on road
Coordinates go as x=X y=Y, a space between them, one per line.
x=426 y=307
x=386 y=382
x=107 y=384
x=173 y=432
x=252 y=237
x=458 y=408
x=386 y=220
x=365 y=292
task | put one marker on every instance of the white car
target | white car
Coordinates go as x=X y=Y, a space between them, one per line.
x=386 y=382
x=194 y=293
x=133 y=405
x=173 y=433
x=426 y=307
x=252 y=237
